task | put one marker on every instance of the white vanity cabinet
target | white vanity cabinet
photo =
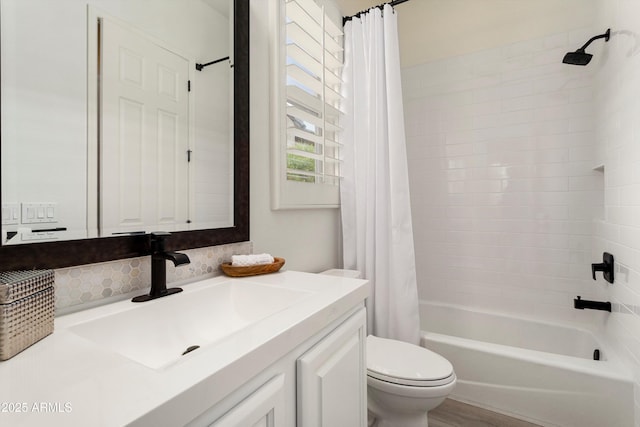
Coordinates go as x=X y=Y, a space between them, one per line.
x=278 y=350
x=320 y=383
x=331 y=378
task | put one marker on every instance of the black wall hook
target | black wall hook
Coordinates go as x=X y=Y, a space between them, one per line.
x=606 y=267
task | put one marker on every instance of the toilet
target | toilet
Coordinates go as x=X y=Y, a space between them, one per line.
x=404 y=381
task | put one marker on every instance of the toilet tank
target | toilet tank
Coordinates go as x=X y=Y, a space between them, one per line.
x=349 y=274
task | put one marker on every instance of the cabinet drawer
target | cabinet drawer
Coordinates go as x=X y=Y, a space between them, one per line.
x=262 y=408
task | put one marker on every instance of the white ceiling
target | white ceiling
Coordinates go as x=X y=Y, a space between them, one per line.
x=351 y=7
x=435 y=29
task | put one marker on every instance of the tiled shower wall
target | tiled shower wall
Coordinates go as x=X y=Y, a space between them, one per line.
x=618 y=147
x=501 y=152
x=91 y=283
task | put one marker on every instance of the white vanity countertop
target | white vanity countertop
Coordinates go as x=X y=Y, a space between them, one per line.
x=68 y=380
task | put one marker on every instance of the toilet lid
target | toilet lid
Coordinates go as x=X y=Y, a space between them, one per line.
x=403 y=363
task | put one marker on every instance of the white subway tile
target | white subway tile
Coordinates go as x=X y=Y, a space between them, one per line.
x=512 y=132
x=581 y=154
x=564 y=112
x=583 y=94
x=529 y=102
x=549 y=56
x=590 y=182
x=555 y=40
x=486 y=94
x=522 y=48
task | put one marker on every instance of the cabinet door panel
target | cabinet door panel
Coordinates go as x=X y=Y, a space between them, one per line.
x=332 y=378
x=263 y=408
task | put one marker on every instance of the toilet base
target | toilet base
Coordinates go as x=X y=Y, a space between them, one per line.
x=391 y=411
x=419 y=421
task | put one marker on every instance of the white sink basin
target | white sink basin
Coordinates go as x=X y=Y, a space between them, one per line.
x=156 y=333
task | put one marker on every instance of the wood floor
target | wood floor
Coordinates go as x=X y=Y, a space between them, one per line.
x=457 y=414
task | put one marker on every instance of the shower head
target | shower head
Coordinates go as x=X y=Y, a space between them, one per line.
x=580 y=57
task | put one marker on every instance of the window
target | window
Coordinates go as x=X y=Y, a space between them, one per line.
x=308 y=59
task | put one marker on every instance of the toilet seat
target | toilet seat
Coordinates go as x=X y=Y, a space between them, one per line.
x=406 y=364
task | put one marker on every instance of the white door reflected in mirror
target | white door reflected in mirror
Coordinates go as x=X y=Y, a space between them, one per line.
x=144 y=141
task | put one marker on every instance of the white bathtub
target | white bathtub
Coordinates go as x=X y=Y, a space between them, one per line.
x=535 y=371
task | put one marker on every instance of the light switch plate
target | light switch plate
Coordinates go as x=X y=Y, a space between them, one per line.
x=39 y=213
x=10 y=214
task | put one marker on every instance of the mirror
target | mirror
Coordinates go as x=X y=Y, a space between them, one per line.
x=55 y=157
x=133 y=131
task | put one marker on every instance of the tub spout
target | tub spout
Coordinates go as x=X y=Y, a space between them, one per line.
x=581 y=304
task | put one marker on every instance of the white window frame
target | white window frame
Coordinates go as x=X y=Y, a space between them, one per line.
x=289 y=194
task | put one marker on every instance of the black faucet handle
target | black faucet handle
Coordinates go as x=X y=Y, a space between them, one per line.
x=606 y=266
x=157 y=239
x=597 y=267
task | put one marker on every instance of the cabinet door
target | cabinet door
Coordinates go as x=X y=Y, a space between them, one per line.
x=263 y=408
x=331 y=377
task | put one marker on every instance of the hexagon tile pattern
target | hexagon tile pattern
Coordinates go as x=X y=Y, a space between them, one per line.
x=92 y=282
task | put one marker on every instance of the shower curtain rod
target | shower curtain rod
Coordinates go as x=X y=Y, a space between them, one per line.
x=380 y=6
x=199 y=67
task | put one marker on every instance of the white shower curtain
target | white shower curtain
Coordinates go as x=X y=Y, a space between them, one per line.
x=376 y=211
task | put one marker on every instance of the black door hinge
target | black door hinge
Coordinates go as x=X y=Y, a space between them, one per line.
x=189 y=155
x=188 y=85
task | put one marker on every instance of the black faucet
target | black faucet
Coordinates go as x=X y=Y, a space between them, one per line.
x=606 y=267
x=581 y=304
x=159 y=259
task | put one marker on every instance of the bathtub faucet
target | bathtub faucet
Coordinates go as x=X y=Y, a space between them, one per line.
x=606 y=267
x=581 y=304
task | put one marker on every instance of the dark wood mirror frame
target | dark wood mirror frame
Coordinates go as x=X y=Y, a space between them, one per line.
x=88 y=251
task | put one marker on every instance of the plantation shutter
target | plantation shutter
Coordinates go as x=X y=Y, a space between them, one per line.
x=313 y=62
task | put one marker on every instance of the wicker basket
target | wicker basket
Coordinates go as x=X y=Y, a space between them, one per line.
x=26 y=309
x=252 y=270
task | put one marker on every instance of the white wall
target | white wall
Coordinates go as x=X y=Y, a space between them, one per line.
x=618 y=147
x=307 y=239
x=44 y=109
x=501 y=151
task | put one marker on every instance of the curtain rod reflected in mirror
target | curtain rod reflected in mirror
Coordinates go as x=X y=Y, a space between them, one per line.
x=84 y=251
x=199 y=67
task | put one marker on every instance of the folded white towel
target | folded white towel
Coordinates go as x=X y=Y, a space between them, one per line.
x=248 y=260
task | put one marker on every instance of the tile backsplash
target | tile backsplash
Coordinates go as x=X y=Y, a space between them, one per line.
x=90 y=283
x=501 y=150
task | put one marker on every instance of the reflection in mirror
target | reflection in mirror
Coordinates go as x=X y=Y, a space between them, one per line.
x=107 y=125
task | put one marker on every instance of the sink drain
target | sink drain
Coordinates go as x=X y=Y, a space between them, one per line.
x=190 y=349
